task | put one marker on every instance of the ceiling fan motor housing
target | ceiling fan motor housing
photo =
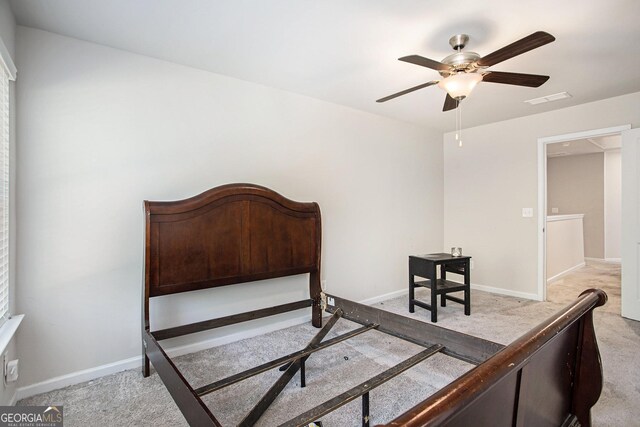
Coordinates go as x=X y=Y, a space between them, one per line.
x=460 y=62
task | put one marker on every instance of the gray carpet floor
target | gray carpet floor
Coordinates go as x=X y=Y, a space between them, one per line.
x=126 y=398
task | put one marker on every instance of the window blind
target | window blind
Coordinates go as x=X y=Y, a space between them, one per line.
x=4 y=193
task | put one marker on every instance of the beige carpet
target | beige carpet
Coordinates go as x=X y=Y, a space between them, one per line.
x=605 y=276
x=128 y=399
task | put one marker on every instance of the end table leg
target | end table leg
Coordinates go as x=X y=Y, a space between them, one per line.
x=467 y=290
x=145 y=364
x=434 y=295
x=411 y=293
x=467 y=302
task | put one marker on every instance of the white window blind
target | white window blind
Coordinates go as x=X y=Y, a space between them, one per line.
x=4 y=193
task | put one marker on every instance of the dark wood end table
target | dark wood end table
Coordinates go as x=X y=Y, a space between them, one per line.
x=425 y=266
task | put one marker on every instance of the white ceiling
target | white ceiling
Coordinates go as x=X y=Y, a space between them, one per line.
x=345 y=51
x=585 y=146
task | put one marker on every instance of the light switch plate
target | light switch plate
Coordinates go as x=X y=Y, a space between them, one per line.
x=527 y=212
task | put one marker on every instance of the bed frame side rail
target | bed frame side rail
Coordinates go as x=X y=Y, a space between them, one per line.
x=163 y=334
x=190 y=404
x=456 y=344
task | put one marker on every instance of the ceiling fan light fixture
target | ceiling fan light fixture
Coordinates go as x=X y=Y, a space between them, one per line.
x=460 y=85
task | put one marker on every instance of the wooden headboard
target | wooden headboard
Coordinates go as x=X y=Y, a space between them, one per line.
x=230 y=234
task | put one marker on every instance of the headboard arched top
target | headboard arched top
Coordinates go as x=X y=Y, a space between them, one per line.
x=230 y=234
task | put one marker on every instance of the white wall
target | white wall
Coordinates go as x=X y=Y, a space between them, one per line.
x=7 y=34
x=612 y=205
x=575 y=185
x=101 y=130
x=565 y=244
x=494 y=176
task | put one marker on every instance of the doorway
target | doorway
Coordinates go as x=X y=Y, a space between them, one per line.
x=583 y=243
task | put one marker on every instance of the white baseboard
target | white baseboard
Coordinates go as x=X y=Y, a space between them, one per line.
x=501 y=291
x=14 y=399
x=564 y=273
x=506 y=292
x=384 y=297
x=604 y=260
x=77 y=377
x=136 y=362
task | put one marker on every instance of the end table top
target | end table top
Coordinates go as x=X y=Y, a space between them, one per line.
x=441 y=257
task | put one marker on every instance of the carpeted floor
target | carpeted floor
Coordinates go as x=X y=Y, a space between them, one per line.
x=128 y=399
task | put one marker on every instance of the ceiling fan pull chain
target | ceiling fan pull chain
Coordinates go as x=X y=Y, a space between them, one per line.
x=457 y=127
x=460 y=125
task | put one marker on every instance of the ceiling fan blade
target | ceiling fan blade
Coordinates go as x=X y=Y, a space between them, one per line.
x=526 y=44
x=425 y=62
x=404 y=92
x=450 y=103
x=531 y=80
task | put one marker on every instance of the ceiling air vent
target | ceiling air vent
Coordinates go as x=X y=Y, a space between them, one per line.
x=548 y=98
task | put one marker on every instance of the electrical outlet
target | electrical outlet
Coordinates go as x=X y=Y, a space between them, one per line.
x=11 y=372
x=323 y=284
x=472 y=264
x=10 y=369
x=554 y=210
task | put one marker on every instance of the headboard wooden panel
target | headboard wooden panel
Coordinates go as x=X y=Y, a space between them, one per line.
x=230 y=234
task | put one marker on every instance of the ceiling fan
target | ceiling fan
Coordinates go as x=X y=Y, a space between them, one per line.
x=461 y=71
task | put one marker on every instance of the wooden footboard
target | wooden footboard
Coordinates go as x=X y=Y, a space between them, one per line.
x=551 y=376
